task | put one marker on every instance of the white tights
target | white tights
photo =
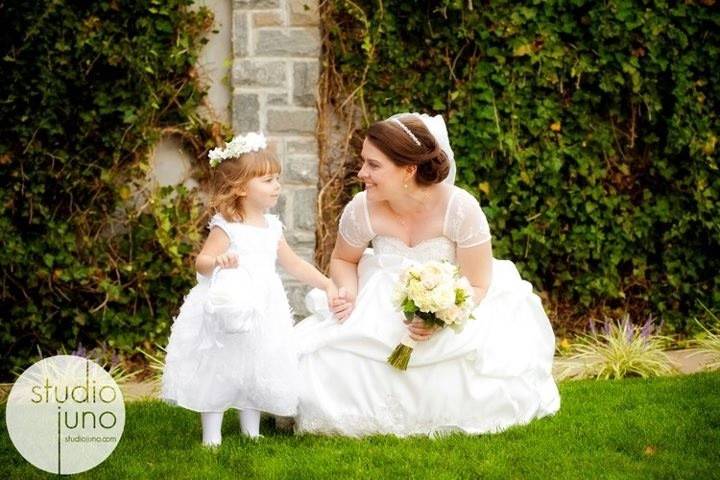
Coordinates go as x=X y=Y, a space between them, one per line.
x=212 y=425
x=249 y=423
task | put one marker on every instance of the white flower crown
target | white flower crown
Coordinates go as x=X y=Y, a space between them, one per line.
x=252 y=142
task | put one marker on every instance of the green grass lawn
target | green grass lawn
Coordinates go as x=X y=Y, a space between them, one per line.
x=660 y=428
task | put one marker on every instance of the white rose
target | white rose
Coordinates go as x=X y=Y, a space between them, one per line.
x=404 y=278
x=451 y=315
x=399 y=296
x=417 y=293
x=449 y=269
x=442 y=296
x=431 y=279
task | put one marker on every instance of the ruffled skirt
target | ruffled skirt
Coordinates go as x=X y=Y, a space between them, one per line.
x=208 y=370
x=494 y=374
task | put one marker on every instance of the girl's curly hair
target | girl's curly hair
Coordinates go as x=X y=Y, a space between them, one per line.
x=230 y=177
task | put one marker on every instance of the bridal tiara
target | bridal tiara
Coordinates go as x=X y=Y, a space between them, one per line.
x=252 y=142
x=407 y=130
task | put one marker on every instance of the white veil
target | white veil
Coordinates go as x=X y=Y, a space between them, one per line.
x=437 y=128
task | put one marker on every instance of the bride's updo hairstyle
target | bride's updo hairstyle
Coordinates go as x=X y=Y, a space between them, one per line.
x=407 y=141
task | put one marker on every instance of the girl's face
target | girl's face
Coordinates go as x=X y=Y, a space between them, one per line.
x=382 y=178
x=262 y=193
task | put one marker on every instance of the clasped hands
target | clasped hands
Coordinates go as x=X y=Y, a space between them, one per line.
x=340 y=301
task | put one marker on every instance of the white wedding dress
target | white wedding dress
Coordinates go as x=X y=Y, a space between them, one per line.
x=494 y=374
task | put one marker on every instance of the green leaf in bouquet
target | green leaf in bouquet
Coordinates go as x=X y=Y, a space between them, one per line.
x=409 y=307
x=460 y=296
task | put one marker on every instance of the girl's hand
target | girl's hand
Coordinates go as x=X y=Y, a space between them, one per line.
x=421 y=332
x=342 y=305
x=227 y=260
x=331 y=291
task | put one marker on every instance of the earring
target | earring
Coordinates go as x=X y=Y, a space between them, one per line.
x=405 y=185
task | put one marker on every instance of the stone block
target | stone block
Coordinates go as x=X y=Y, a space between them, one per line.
x=259 y=73
x=302 y=145
x=298 y=237
x=299 y=42
x=291 y=121
x=305 y=83
x=303 y=12
x=301 y=169
x=272 y=18
x=304 y=208
x=280 y=99
x=246 y=113
x=240 y=34
x=255 y=4
x=281 y=208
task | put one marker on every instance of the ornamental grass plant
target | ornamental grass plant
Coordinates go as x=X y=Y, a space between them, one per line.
x=709 y=343
x=619 y=349
x=156 y=364
x=107 y=358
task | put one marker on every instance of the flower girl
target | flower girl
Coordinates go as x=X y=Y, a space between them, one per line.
x=230 y=344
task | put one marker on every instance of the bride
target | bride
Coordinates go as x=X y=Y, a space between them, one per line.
x=494 y=374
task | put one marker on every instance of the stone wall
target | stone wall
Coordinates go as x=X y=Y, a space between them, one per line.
x=275 y=70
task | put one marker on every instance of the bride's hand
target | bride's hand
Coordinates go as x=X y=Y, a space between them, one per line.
x=419 y=331
x=342 y=305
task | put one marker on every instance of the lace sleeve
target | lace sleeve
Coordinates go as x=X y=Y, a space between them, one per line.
x=354 y=225
x=468 y=225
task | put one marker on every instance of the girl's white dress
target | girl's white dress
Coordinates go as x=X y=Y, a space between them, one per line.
x=494 y=374
x=208 y=369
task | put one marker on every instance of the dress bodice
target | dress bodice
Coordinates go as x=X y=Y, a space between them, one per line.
x=438 y=248
x=464 y=226
x=256 y=247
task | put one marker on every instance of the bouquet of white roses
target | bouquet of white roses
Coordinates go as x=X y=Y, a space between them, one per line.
x=436 y=293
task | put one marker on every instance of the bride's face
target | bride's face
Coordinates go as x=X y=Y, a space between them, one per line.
x=382 y=178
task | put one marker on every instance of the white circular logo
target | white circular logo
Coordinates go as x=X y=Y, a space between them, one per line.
x=65 y=414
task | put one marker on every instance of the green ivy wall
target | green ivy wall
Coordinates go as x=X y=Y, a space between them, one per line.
x=588 y=131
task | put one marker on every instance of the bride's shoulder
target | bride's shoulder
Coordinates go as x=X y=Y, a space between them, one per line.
x=354 y=224
x=358 y=199
x=464 y=199
x=361 y=203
